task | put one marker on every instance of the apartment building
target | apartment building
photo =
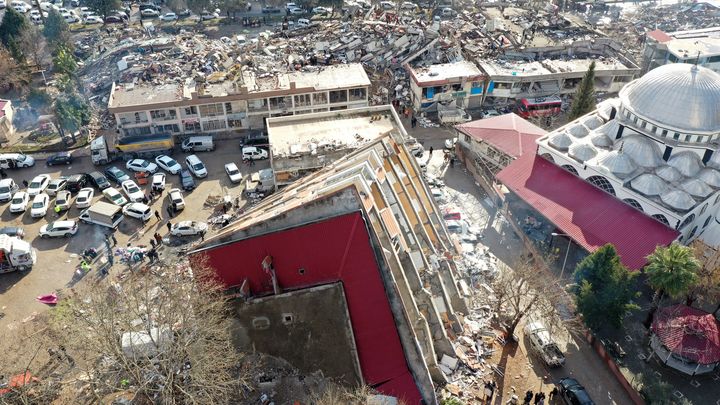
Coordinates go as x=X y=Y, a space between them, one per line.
x=233 y=101
x=700 y=47
x=459 y=84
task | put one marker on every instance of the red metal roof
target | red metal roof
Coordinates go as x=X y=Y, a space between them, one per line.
x=689 y=332
x=508 y=133
x=659 y=36
x=336 y=249
x=590 y=216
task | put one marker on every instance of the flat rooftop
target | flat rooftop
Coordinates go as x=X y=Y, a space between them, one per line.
x=331 y=77
x=690 y=47
x=444 y=71
x=500 y=67
x=320 y=133
x=127 y=94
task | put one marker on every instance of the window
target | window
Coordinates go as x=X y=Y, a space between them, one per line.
x=211 y=110
x=635 y=119
x=191 y=110
x=192 y=126
x=713 y=59
x=547 y=157
x=664 y=132
x=676 y=136
x=661 y=218
x=687 y=138
x=213 y=125
x=140 y=117
x=169 y=128
x=707 y=221
x=302 y=100
x=570 y=169
x=162 y=115
x=654 y=129
x=357 y=94
x=643 y=125
x=257 y=105
x=234 y=123
x=319 y=98
x=228 y=108
x=692 y=233
x=338 y=96
x=280 y=103
x=633 y=203
x=687 y=221
x=601 y=183
x=502 y=86
x=702 y=210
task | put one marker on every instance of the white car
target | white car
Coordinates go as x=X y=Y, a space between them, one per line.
x=176 y=199
x=46 y=6
x=39 y=206
x=22 y=8
x=63 y=200
x=196 y=166
x=58 y=229
x=141 y=165
x=84 y=197
x=138 y=210
x=114 y=196
x=169 y=17
x=148 y=12
x=320 y=10
x=93 y=19
x=19 y=202
x=188 y=228
x=56 y=185
x=158 y=181
x=438 y=195
x=253 y=153
x=38 y=184
x=132 y=191
x=168 y=164
x=206 y=15
x=296 y=11
x=233 y=172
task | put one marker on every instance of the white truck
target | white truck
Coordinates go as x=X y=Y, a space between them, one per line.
x=102 y=213
x=452 y=115
x=543 y=345
x=103 y=151
x=16 y=254
x=260 y=182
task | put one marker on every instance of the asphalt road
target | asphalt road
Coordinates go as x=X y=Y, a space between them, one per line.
x=58 y=258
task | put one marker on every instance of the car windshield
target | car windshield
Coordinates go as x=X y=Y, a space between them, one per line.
x=17 y=200
x=81 y=198
x=60 y=201
x=132 y=189
x=144 y=163
x=38 y=204
x=35 y=184
x=233 y=171
x=4 y=189
x=21 y=157
x=177 y=199
x=170 y=162
x=198 y=166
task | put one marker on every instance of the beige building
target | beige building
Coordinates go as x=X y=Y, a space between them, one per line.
x=233 y=101
x=6 y=120
x=459 y=84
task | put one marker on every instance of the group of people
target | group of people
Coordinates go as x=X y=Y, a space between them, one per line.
x=538 y=398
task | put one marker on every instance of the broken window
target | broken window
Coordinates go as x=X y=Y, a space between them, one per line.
x=338 y=96
x=257 y=105
x=163 y=115
x=228 y=108
x=211 y=110
x=302 y=100
x=234 y=123
x=213 y=125
x=357 y=94
x=192 y=110
x=320 y=98
x=280 y=103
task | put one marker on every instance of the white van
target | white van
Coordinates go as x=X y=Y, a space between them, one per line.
x=253 y=153
x=3 y=3
x=303 y=22
x=15 y=160
x=7 y=188
x=198 y=144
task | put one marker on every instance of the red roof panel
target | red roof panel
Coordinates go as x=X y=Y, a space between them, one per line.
x=508 y=133
x=590 y=216
x=689 y=332
x=659 y=36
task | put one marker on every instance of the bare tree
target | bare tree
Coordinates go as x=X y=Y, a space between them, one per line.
x=163 y=334
x=13 y=75
x=34 y=46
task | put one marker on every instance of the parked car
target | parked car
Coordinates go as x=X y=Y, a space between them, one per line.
x=39 y=205
x=184 y=13
x=113 y=19
x=141 y=165
x=206 y=15
x=116 y=175
x=7 y=188
x=132 y=191
x=408 y=5
x=149 y=13
x=62 y=158
x=59 y=229
x=56 y=185
x=168 y=164
x=233 y=172
x=63 y=201
x=93 y=19
x=296 y=11
x=167 y=17
x=253 y=153
x=138 y=210
x=84 y=197
x=573 y=393
x=76 y=182
x=114 y=196
x=438 y=195
x=196 y=166
x=15 y=231
x=175 y=199
x=19 y=202
x=158 y=181
x=99 y=180
x=257 y=139
x=186 y=180
x=188 y=228
x=38 y=184
x=271 y=10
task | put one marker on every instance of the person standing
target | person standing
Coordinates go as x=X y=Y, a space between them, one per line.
x=431 y=151
x=553 y=393
x=169 y=211
x=112 y=236
x=169 y=226
x=413 y=121
x=157 y=215
x=158 y=238
x=25 y=183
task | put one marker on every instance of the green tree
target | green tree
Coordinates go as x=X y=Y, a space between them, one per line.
x=232 y=6
x=64 y=62
x=72 y=111
x=103 y=8
x=672 y=271
x=605 y=288
x=11 y=28
x=197 y=6
x=13 y=75
x=584 y=100
x=56 y=29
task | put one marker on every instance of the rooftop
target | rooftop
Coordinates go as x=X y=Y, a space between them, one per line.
x=331 y=77
x=128 y=94
x=689 y=332
x=500 y=67
x=508 y=133
x=445 y=71
x=692 y=47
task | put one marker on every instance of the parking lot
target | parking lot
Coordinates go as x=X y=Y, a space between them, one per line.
x=59 y=258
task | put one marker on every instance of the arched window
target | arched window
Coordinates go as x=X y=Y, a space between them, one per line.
x=717 y=199
x=687 y=221
x=661 y=218
x=548 y=157
x=570 y=169
x=692 y=233
x=634 y=204
x=601 y=183
x=707 y=221
x=702 y=210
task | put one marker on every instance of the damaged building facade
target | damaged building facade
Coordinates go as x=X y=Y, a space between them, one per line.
x=701 y=47
x=365 y=230
x=460 y=83
x=233 y=101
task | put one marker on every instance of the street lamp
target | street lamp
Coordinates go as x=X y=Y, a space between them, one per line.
x=567 y=251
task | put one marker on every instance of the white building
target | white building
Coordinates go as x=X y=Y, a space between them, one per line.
x=459 y=84
x=701 y=47
x=6 y=120
x=656 y=147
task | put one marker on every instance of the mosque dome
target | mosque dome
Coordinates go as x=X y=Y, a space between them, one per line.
x=582 y=151
x=641 y=149
x=617 y=163
x=649 y=184
x=679 y=96
x=678 y=199
x=560 y=141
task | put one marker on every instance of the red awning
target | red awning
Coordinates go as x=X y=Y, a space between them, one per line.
x=590 y=216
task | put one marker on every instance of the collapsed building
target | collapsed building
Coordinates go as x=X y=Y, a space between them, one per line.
x=700 y=47
x=352 y=262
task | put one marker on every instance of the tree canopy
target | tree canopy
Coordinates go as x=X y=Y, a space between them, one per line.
x=11 y=29
x=56 y=29
x=605 y=288
x=103 y=8
x=672 y=270
x=584 y=100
